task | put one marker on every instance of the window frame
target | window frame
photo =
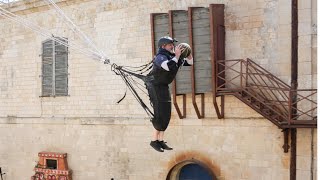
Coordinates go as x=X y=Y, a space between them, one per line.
x=53 y=75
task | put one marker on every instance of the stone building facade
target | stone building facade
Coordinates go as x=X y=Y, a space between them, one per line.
x=107 y=140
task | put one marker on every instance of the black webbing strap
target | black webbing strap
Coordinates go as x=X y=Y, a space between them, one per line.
x=122 y=73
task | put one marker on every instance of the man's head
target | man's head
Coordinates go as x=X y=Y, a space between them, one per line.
x=166 y=42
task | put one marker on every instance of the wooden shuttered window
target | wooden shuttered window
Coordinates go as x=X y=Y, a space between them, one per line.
x=61 y=70
x=47 y=68
x=54 y=68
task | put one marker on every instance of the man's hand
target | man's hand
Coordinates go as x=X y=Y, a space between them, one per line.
x=177 y=51
x=190 y=56
x=189 y=59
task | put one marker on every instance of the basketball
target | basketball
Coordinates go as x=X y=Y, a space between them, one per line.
x=186 y=50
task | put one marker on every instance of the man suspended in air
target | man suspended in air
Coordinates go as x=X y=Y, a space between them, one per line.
x=165 y=67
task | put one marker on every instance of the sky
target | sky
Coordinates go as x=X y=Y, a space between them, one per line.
x=8 y=1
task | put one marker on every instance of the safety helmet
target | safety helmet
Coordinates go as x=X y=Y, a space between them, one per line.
x=165 y=40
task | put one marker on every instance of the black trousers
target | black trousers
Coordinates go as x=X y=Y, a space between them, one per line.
x=161 y=101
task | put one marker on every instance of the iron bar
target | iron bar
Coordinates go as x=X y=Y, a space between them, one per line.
x=200 y=113
x=174 y=83
x=286 y=140
x=216 y=15
x=294 y=84
x=152 y=34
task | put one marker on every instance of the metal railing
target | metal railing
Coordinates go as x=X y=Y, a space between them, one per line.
x=247 y=79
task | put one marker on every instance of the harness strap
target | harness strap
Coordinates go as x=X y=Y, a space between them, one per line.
x=122 y=73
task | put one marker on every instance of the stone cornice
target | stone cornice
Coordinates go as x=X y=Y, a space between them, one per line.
x=30 y=6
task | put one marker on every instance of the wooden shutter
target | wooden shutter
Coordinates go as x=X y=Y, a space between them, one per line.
x=180 y=32
x=47 y=68
x=161 y=28
x=61 y=69
x=202 y=50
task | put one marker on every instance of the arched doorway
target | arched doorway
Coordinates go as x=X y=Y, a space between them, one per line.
x=191 y=170
x=194 y=171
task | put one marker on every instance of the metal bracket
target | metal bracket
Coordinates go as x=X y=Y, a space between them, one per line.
x=285 y=146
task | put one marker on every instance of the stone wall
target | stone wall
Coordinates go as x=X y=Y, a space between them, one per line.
x=106 y=140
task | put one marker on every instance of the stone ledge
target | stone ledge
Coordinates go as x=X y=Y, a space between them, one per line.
x=140 y=121
x=75 y=120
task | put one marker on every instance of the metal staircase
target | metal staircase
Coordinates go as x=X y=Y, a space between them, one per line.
x=266 y=94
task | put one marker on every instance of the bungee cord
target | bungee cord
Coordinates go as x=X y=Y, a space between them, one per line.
x=46 y=33
x=127 y=73
x=74 y=27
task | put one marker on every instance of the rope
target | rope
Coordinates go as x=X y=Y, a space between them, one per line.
x=46 y=33
x=74 y=27
x=123 y=71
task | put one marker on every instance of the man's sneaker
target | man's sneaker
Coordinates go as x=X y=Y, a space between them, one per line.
x=164 y=145
x=156 y=145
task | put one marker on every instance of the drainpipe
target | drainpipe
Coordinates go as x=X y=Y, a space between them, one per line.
x=314 y=86
x=294 y=84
